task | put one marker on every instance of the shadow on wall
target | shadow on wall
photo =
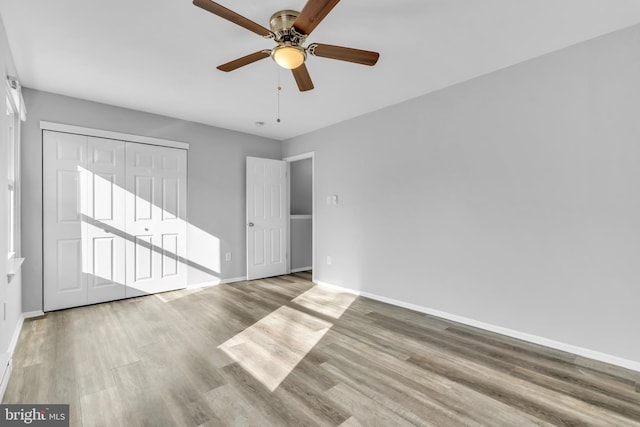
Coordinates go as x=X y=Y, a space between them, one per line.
x=205 y=248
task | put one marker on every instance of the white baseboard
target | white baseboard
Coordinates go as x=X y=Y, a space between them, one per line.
x=12 y=347
x=18 y=328
x=217 y=282
x=297 y=270
x=5 y=379
x=337 y=288
x=16 y=334
x=30 y=314
x=569 y=348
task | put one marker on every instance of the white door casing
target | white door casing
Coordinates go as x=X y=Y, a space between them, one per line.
x=267 y=217
x=156 y=183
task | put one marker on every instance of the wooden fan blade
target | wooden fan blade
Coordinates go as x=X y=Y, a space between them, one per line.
x=303 y=79
x=245 y=60
x=312 y=14
x=344 y=53
x=230 y=15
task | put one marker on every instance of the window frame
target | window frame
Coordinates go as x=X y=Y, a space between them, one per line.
x=12 y=131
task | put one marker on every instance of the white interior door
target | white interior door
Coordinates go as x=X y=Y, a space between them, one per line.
x=104 y=217
x=65 y=284
x=156 y=184
x=267 y=217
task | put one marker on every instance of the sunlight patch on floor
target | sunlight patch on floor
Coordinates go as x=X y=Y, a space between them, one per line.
x=174 y=295
x=272 y=347
x=325 y=300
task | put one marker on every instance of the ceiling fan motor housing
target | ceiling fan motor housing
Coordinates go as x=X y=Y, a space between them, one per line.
x=281 y=24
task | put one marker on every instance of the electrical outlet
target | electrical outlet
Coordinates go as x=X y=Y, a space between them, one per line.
x=328 y=260
x=227 y=256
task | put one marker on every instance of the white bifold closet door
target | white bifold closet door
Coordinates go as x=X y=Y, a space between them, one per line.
x=113 y=218
x=156 y=182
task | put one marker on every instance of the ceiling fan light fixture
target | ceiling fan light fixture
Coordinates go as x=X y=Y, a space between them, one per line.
x=289 y=57
x=289 y=29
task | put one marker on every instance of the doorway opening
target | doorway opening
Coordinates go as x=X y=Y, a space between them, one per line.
x=301 y=209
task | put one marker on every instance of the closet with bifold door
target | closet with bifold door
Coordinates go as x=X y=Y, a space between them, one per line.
x=114 y=219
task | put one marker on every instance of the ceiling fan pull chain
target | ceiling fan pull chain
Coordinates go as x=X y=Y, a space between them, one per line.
x=279 y=89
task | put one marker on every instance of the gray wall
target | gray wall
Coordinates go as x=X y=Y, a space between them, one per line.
x=301 y=178
x=216 y=205
x=512 y=199
x=301 y=243
x=301 y=192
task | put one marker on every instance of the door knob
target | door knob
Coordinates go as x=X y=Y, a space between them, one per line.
x=250 y=224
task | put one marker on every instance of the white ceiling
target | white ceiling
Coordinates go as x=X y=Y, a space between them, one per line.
x=161 y=56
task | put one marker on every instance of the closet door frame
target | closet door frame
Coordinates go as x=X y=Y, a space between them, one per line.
x=105 y=134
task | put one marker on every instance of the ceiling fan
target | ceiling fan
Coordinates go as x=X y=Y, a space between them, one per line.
x=290 y=29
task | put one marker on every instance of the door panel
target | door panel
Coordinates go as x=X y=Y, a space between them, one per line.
x=266 y=217
x=103 y=261
x=143 y=159
x=65 y=283
x=68 y=196
x=276 y=246
x=143 y=258
x=102 y=185
x=170 y=198
x=104 y=217
x=69 y=265
x=259 y=248
x=169 y=257
x=143 y=193
x=156 y=183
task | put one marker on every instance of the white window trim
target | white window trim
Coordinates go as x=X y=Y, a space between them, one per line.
x=15 y=101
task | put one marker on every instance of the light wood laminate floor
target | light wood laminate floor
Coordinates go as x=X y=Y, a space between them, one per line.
x=281 y=351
